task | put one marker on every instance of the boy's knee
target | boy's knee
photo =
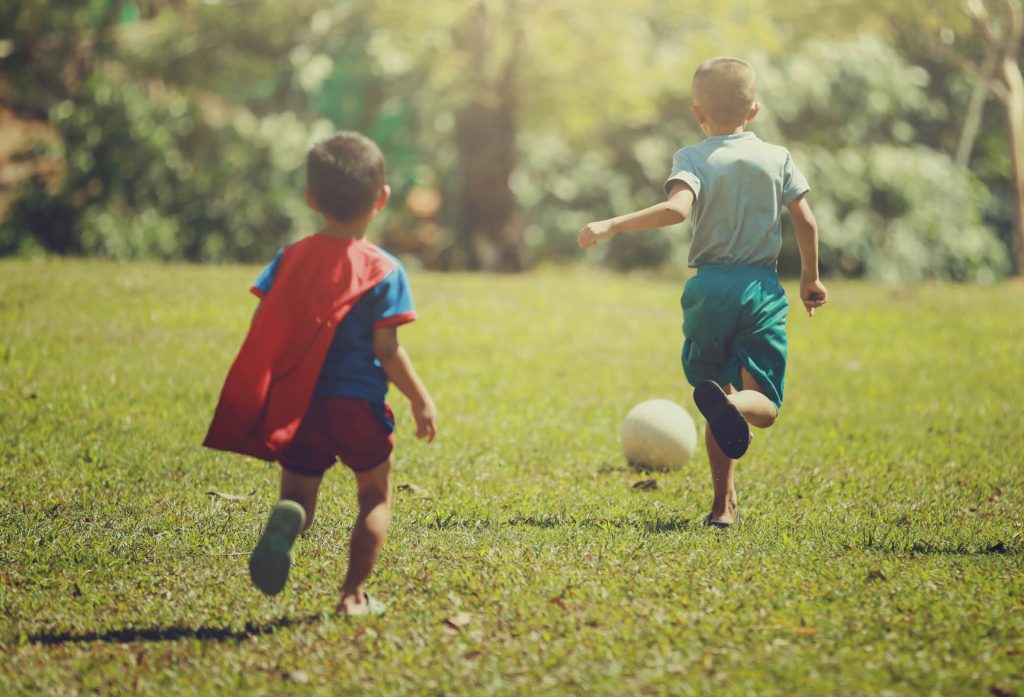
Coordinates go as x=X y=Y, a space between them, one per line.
x=372 y=498
x=373 y=488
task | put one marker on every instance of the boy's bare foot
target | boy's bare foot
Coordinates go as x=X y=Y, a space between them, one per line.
x=730 y=429
x=723 y=515
x=353 y=605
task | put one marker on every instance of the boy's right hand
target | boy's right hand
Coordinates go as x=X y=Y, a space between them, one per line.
x=594 y=232
x=813 y=294
x=425 y=414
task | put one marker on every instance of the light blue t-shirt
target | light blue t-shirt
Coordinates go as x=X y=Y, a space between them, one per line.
x=740 y=185
x=351 y=369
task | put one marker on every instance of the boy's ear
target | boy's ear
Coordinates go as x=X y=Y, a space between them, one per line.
x=702 y=119
x=754 y=109
x=310 y=201
x=382 y=198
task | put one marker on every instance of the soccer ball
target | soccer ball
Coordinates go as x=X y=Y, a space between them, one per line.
x=658 y=434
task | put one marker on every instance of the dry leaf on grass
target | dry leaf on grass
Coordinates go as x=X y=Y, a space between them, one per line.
x=413 y=489
x=459 y=620
x=228 y=497
x=298 y=676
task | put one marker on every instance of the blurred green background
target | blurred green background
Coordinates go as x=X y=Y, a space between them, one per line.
x=176 y=129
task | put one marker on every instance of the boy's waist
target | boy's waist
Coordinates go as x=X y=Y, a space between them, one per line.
x=733 y=269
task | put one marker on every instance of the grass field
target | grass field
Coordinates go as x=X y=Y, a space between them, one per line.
x=882 y=550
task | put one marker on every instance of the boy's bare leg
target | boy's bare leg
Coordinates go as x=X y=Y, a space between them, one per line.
x=373 y=489
x=756 y=408
x=759 y=411
x=723 y=509
x=303 y=490
x=271 y=560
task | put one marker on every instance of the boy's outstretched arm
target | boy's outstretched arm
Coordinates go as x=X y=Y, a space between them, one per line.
x=812 y=290
x=675 y=210
x=398 y=367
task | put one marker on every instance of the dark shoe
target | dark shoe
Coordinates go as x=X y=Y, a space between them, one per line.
x=271 y=561
x=730 y=429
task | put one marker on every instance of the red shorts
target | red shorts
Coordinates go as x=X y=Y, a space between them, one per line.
x=358 y=432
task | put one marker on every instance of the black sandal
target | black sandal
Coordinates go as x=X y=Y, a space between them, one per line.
x=730 y=429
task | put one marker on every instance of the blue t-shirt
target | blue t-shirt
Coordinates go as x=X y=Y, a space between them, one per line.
x=351 y=369
x=740 y=185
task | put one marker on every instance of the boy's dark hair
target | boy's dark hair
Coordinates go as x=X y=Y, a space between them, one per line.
x=344 y=175
x=724 y=88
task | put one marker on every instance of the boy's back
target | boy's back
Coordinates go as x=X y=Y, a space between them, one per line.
x=734 y=187
x=740 y=185
x=308 y=386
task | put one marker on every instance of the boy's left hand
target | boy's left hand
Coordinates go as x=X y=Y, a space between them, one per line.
x=425 y=416
x=813 y=294
x=592 y=233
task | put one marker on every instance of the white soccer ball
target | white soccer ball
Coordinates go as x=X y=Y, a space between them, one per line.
x=658 y=434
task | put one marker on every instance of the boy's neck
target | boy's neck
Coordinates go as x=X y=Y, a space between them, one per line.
x=345 y=229
x=716 y=130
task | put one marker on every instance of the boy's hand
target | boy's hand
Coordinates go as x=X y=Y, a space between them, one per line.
x=592 y=233
x=813 y=293
x=425 y=414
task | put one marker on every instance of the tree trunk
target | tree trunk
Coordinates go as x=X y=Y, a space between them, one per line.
x=975 y=110
x=1014 y=103
x=493 y=227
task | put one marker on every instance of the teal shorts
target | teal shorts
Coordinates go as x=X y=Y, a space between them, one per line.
x=735 y=317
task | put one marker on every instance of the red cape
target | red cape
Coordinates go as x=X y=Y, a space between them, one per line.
x=269 y=386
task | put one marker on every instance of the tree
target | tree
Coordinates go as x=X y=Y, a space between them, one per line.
x=499 y=77
x=999 y=24
x=981 y=39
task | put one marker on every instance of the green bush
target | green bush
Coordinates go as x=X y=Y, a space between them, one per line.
x=149 y=177
x=888 y=206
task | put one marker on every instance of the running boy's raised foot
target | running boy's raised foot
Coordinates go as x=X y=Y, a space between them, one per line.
x=727 y=424
x=271 y=560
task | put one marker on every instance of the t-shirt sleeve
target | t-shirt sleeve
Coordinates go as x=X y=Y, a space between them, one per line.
x=683 y=171
x=391 y=300
x=266 y=278
x=794 y=184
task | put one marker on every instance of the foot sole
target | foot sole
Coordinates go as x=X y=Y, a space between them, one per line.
x=271 y=560
x=730 y=429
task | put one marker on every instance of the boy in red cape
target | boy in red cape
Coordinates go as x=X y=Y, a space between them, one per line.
x=308 y=386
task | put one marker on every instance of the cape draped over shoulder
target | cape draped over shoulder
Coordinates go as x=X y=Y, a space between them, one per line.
x=270 y=384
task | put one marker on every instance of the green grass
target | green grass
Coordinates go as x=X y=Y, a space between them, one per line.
x=882 y=550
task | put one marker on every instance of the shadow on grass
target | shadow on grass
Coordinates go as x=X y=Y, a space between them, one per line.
x=950 y=549
x=453 y=521
x=172 y=633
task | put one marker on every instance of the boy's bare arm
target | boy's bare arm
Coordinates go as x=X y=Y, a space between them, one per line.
x=812 y=290
x=398 y=367
x=675 y=210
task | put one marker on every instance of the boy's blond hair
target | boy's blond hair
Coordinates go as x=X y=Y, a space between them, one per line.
x=724 y=88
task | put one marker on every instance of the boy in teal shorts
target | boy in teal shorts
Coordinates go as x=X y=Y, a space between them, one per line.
x=734 y=309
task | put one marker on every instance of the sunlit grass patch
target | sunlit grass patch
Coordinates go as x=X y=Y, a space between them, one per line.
x=881 y=549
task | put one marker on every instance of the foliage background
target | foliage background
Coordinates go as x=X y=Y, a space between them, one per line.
x=176 y=129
